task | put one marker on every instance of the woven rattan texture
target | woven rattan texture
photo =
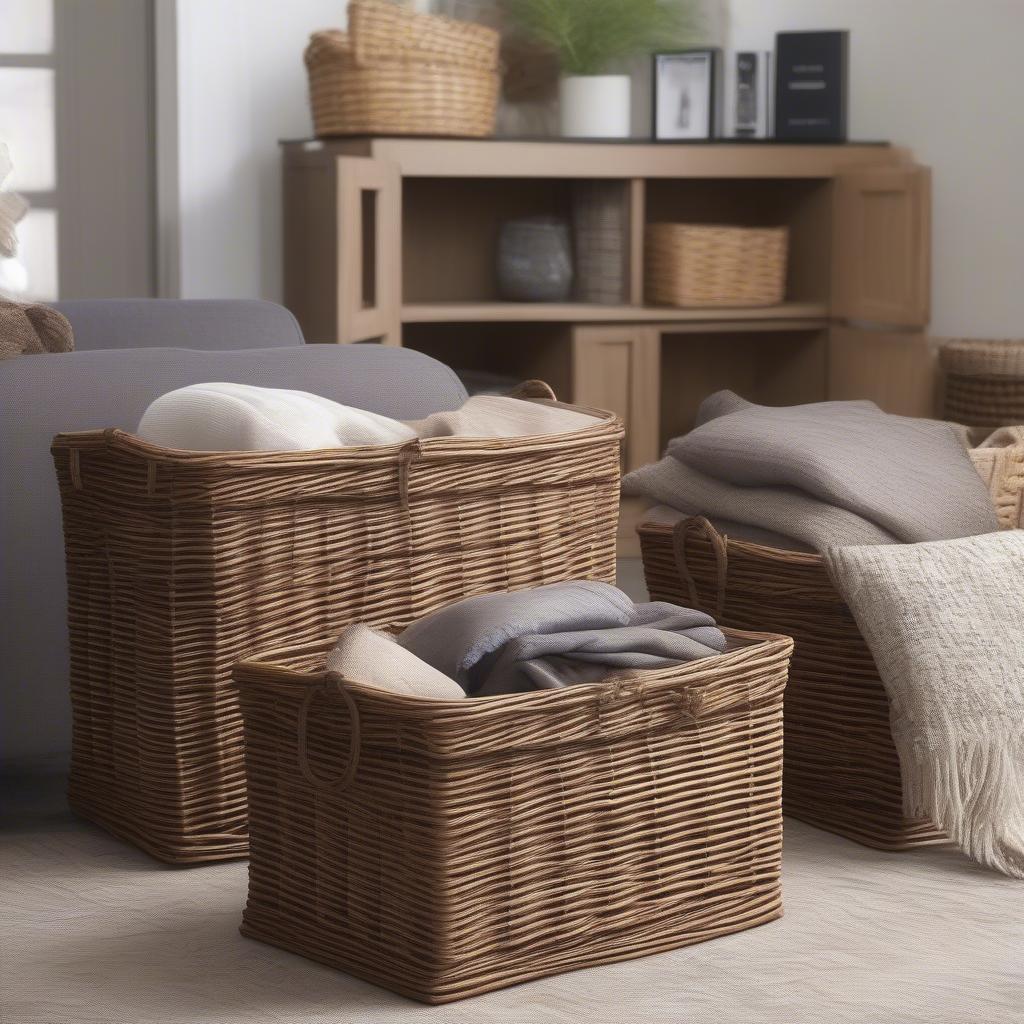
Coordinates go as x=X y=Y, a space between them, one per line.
x=179 y=564
x=709 y=265
x=1002 y=469
x=399 y=73
x=984 y=382
x=486 y=842
x=842 y=772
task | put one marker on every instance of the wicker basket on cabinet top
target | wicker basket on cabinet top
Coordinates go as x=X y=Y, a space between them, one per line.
x=445 y=848
x=395 y=72
x=714 y=265
x=984 y=382
x=181 y=563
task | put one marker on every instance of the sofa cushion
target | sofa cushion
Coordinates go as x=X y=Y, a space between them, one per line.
x=215 y=325
x=42 y=395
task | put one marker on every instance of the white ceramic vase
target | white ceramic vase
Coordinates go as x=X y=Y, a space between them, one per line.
x=594 y=106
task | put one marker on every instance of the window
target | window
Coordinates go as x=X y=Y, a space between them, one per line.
x=29 y=128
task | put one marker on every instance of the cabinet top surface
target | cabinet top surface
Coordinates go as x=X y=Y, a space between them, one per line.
x=557 y=140
x=421 y=156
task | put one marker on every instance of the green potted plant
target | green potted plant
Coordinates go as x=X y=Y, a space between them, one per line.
x=589 y=37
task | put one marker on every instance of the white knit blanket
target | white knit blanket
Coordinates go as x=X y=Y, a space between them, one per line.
x=945 y=623
x=223 y=417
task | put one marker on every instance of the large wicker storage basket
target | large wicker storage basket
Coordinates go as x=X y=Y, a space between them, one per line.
x=712 y=265
x=395 y=72
x=842 y=770
x=181 y=563
x=445 y=848
x=984 y=382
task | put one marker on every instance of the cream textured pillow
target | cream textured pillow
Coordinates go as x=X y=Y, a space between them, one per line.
x=368 y=656
x=945 y=623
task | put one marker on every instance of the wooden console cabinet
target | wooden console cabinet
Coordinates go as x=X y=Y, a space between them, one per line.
x=393 y=240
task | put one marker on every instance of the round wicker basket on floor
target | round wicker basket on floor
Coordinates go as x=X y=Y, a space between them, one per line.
x=399 y=73
x=984 y=382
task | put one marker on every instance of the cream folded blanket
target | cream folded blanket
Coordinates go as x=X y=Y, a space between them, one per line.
x=945 y=624
x=239 y=417
x=500 y=416
x=829 y=473
x=370 y=657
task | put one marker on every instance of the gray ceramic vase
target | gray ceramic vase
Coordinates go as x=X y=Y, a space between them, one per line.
x=535 y=260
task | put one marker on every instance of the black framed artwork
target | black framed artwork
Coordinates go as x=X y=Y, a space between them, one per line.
x=811 y=85
x=686 y=92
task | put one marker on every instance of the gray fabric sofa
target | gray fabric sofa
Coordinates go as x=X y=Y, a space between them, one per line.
x=41 y=395
x=207 y=324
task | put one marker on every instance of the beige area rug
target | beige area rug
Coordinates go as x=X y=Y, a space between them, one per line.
x=94 y=932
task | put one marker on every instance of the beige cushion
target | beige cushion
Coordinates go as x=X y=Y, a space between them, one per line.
x=371 y=657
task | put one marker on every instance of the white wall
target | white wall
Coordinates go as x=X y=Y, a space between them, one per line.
x=940 y=76
x=241 y=86
x=944 y=78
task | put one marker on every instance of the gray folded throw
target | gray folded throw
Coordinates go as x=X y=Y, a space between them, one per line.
x=826 y=474
x=555 y=636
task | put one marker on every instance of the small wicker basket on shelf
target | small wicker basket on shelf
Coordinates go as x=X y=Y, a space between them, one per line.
x=395 y=72
x=984 y=382
x=714 y=265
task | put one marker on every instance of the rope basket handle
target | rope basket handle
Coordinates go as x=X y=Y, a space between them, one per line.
x=334 y=686
x=533 y=389
x=681 y=535
x=687 y=703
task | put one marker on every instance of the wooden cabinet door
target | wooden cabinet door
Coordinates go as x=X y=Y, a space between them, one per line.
x=617 y=367
x=895 y=370
x=881 y=246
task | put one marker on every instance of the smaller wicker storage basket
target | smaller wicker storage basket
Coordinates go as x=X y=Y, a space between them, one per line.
x=445 y=848
x=712 y=265
x=984 y=382
x=399 y=73
x=842 y=770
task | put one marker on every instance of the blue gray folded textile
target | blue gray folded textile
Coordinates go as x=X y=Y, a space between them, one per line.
x=556 y=636
x=826 y=474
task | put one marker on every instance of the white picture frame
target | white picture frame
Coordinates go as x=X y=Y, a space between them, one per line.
x=685 y=94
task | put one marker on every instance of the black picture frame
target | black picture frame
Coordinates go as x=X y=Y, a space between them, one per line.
x=708 y=102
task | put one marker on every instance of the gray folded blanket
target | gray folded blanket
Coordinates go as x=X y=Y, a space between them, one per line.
x=556 y=636
x=830 y=473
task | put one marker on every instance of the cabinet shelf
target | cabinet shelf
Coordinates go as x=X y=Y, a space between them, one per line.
x=814 y=313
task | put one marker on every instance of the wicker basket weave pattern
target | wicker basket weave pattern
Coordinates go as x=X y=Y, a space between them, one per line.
x=984 y=382
x=446 y=848
x=399 y=73
x=179 y=564
x=1000 y=464
x=711 y=265
x=842 y=772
